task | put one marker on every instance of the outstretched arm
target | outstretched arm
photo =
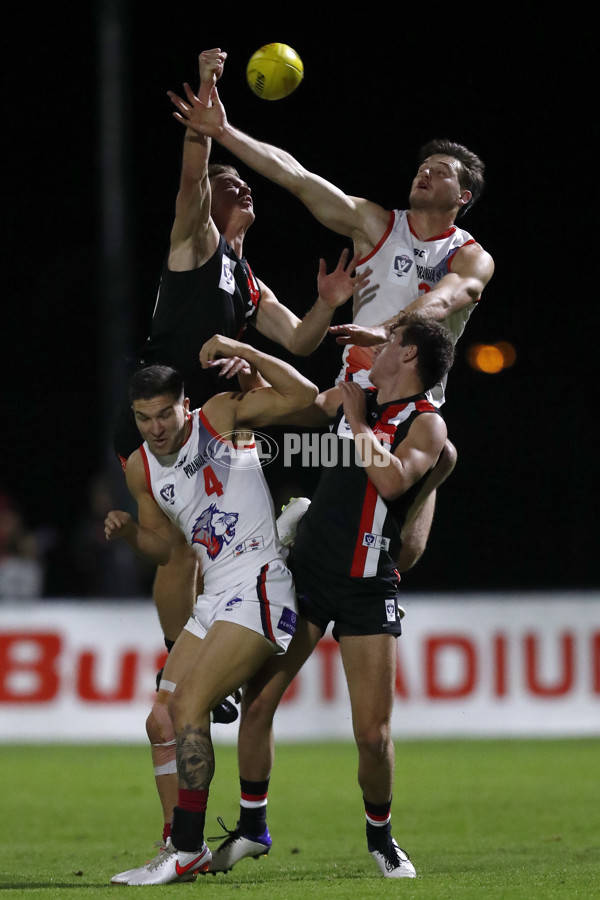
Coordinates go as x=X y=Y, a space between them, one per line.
x=194 y=236
x=362 y=221
x=302 y=336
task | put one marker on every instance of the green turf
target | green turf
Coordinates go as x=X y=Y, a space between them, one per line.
x=480 y=819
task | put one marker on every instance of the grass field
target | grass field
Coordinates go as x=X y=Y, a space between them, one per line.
x=480 y=819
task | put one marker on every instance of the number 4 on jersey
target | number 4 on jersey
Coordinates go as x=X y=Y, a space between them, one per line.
x=212 y=485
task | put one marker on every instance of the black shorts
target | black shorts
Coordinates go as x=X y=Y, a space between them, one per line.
x=356 y=606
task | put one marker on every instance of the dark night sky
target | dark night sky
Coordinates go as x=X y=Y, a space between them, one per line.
x=519 y=510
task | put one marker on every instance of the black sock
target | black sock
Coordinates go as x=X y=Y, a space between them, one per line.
x=379 y=826
x=253 y=806
x=187 y=829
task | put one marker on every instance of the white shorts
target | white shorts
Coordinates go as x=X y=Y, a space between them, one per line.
x=265 y=604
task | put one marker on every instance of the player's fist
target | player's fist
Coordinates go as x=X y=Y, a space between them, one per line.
x=117 y=524
x=218 y=346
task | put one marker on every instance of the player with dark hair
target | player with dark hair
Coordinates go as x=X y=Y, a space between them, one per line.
x=470 y=171
x=418 y=259
x=206 y=288
x=221 y=505
x=389 y=438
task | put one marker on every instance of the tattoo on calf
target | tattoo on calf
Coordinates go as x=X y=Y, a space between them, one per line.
x=195 y=758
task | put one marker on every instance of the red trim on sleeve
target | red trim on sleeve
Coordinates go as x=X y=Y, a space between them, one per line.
x=425 y=406
x=381 y=240
x=211 y=430
x=147 y=470
x=452 y=255
x=252 y=286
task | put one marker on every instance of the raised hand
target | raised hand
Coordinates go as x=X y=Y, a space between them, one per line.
x=337 y=286
x=206 y=118
x=361 y=335
x=210 y=65
x=219 y=346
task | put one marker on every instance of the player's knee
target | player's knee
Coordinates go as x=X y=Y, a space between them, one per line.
x=373 y=740
x=257 y=709
x=161 y=734
x=159 y=726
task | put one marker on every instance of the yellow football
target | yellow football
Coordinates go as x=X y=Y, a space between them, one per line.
x=274 y=71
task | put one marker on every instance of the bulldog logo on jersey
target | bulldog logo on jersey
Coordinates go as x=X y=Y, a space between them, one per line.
x=214 y=529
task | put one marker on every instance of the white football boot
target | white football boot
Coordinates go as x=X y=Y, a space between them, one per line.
x=394 y=862
x=170 y=865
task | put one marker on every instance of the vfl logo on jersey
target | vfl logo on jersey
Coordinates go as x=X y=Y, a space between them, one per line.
x=375 y=541
x=214 y=529
x=402 y=265
x=255 y=543
x=168 y=493
x=226 y=282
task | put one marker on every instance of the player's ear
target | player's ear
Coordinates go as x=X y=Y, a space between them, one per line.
x=186 y=403
x=465 y=197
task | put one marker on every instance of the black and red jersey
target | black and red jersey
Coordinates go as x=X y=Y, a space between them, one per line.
x=219 y=297
x=349 y=529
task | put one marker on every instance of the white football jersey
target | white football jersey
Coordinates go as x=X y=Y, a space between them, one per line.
x=403 y=268
x=217 y=496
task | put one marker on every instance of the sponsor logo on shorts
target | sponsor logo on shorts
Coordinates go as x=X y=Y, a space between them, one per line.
x=254 y=543
x=375 y=541
x=288 y=621
x=233 y=604
x=390 y=610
